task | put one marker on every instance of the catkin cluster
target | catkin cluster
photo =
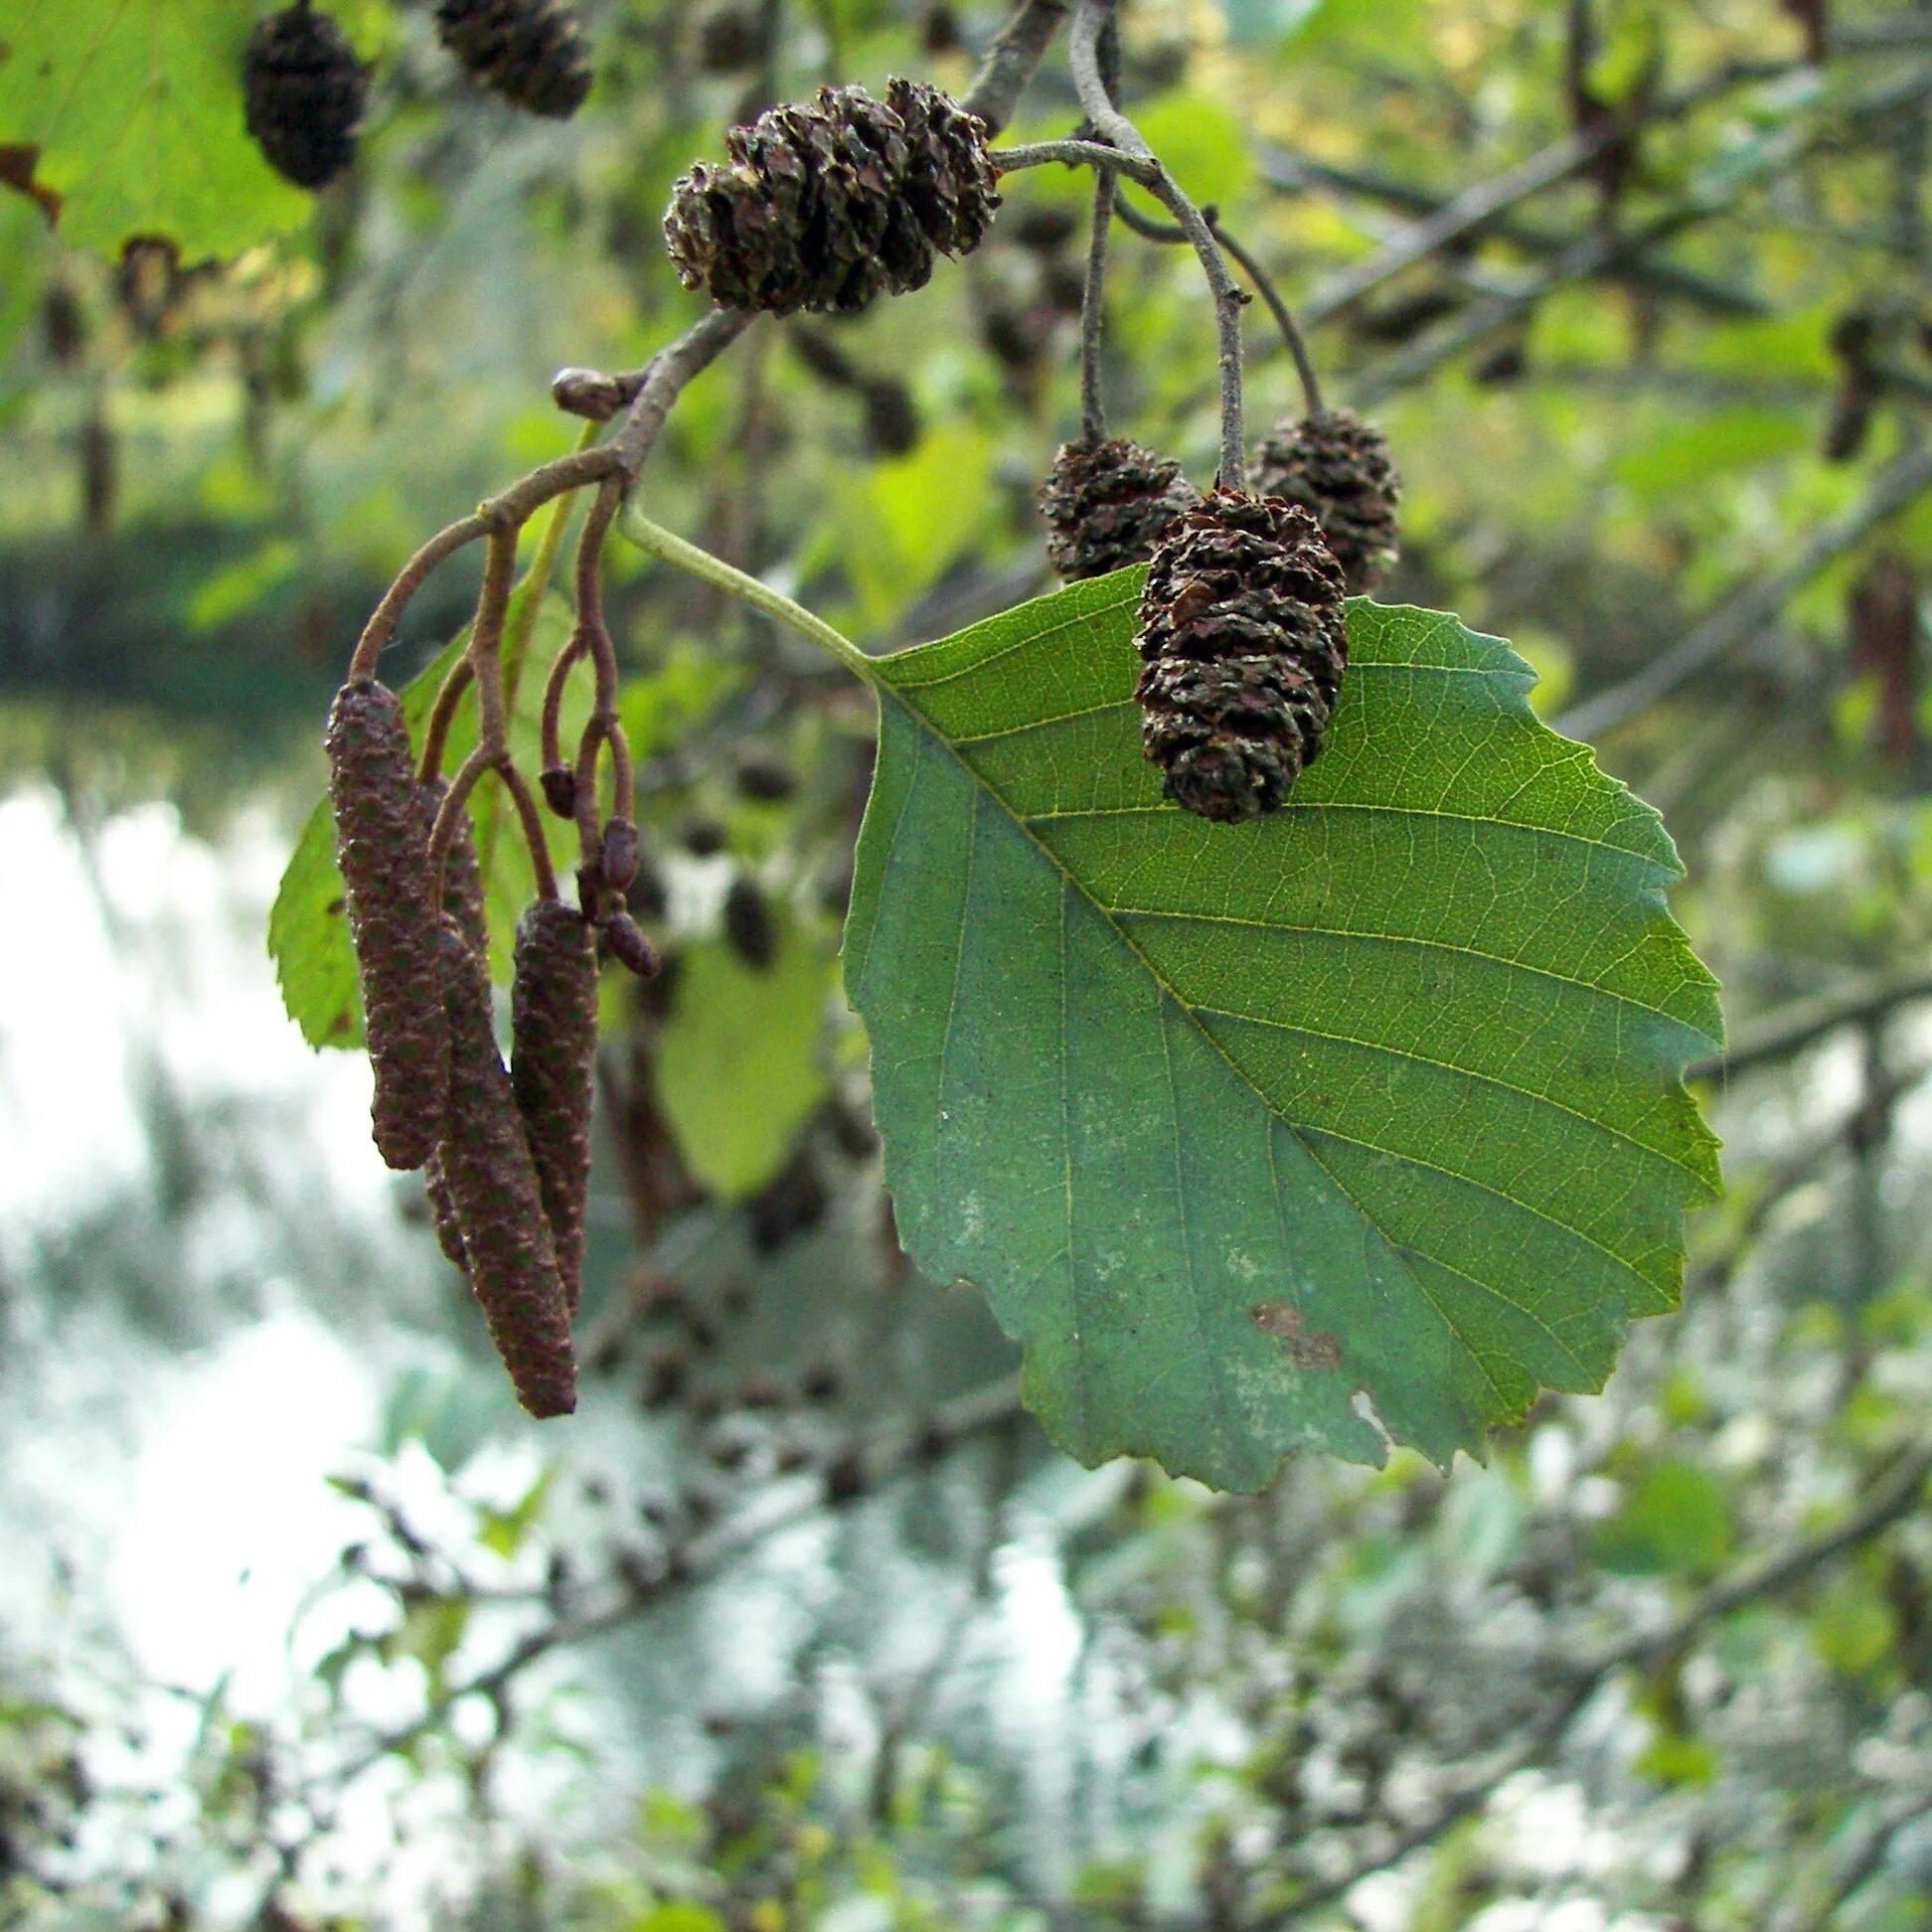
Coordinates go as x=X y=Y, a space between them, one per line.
x=505 y=1151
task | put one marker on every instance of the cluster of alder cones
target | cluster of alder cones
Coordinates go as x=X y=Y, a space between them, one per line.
x=304 y=91
x=827 y=207
x=1241 y=636
x=505 y=1152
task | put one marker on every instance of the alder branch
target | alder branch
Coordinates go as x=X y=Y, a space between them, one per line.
x=842 y=1477
x=1300 y=173
x=1789 y=1029
x=1745 y=614
x=1090 y=24
x=1478 y=206
x=1597 y=253
x=1291 y=336
x=1012 y=61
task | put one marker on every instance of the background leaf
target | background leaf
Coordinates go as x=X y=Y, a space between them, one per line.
x=1379 y=1096
x=135 y=106
x=740 y=1064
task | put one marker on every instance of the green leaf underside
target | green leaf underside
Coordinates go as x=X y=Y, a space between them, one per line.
x=1380 y=1095
x=309 y=925
x=135 y=106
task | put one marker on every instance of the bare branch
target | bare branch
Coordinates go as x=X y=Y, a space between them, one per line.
x=1791 y=1028
x=1090 y=23
x=1012 y=61
x=1745 y=614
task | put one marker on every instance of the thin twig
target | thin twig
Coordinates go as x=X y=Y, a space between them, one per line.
x=1302 y=174
x=591 y=636
x=1093 y=308
x=1745 y=614
x=1012 y=61
x=1264 y=285
x=486 y=640
x=509 y=510
x=873 y=1460
x=532 y=822
x=664 y=381
x=442 y=714
x=1789 y=1029
x=1091 y=22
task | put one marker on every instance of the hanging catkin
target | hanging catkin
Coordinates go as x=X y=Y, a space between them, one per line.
x=384 y=851
x=493 y=1187
x=1107 y=505
x=554 y=1027
x=462 y=900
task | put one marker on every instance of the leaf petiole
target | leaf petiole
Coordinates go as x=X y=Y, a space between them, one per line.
x=656 y=541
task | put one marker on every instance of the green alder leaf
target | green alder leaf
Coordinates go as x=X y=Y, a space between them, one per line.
x=741 y=1063
x=135 y=108
x=308 y=927
x=1379 y=1096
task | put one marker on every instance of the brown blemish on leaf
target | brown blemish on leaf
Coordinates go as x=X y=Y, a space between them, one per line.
x=1307 y=1348
x=17 y=168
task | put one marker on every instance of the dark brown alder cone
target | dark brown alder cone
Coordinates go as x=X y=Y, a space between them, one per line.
x=529 y=53
x=384 y=851
x=492 y=1182
x=302 y=94
x=1337 y=468
x=748 y=925
x=825 y=206
x=1243 y=645
x=1108 y=504
x=462 y=900
x=554 y=1028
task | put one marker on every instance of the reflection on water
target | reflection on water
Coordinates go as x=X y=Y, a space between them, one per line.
x=194 y=1234
x=211 y=1299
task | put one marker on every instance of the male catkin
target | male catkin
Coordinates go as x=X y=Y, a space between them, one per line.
x=554 y=1027
x=382 y=848
x=492 y=1182
x=462 y=900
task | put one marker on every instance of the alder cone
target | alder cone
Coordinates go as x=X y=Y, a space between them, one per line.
x=1108 y=504
x=302 y=94
x=529 y=53
x=748 y=925
x=382 y=848
x=1243 y=647
x=1337 y=467
x=492 y=1185
x=554 y=1029
x=825 y=206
